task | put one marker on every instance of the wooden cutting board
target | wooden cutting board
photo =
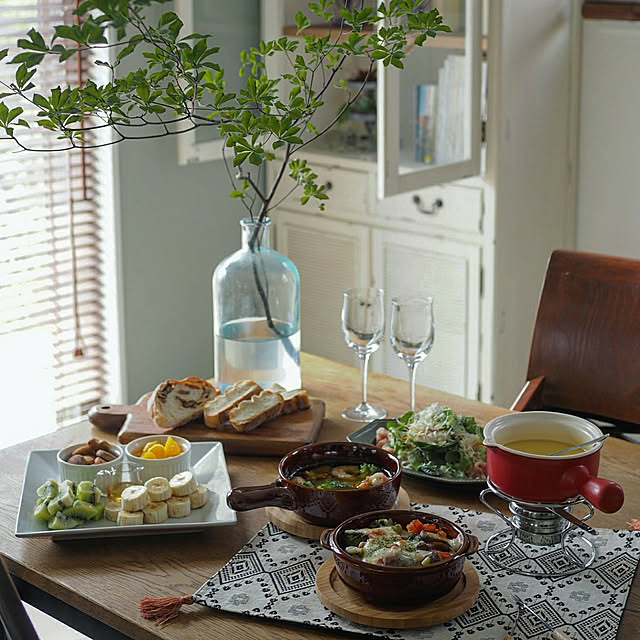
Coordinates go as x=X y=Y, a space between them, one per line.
x=276 y=437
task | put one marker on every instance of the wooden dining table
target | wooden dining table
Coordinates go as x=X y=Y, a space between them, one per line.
x=104 y=578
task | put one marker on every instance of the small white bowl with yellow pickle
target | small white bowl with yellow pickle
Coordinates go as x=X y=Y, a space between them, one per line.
x=159 y=455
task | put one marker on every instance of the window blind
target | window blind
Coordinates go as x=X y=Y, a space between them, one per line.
x=52 y=316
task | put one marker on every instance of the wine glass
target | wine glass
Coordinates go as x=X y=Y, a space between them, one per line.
x=363 y=328
x=412 y=333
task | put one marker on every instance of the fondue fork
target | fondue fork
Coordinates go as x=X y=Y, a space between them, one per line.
x=523 y=606
x=582 y=444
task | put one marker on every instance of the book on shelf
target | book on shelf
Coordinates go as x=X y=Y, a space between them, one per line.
x=426 y=100
x=440 y=123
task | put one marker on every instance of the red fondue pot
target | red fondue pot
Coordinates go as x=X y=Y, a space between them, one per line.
x=544 y=478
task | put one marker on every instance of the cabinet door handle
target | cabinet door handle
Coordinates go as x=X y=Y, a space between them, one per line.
x=435 y=205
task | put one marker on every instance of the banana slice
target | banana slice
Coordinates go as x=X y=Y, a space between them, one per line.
x=182 y=484
x=130 y=517
x=178 y=506
x=111 y=510
x=158 y=489
x=199 y=497
x=134 y=498
x=155 y=513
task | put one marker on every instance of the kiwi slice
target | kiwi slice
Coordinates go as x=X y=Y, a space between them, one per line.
x=53 y=506
x=41 y=512
x=61 y=521
x=88 y=492
x=99 y=507
x=81 y=509
x=48 y=490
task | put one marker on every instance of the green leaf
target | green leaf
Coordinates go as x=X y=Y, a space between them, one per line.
x=28 y=58
x=14 y=113
x=41 y=101
x=237 y=194
x=66 y=55
x=23 y=75
x=143 y=91
x=240 y=158
x=302 y=22
x=167 y=18
x=68 y=32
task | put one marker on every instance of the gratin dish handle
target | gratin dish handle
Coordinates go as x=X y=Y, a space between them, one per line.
x=474 y=545
x=268 y=495
x=324 y=538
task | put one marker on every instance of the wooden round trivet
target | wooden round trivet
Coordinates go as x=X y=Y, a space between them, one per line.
x=292 y=523
x=349 y=604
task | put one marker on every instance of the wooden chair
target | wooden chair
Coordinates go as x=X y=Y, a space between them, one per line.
x=13 y=616
x=585 y=350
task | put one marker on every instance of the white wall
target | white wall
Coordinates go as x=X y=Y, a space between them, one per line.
x=175 y=224
x=608 y=216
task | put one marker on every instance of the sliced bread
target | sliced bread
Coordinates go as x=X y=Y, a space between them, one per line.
x=177 y=402
x=294 y=400
x=251 y=413
x=216 y=411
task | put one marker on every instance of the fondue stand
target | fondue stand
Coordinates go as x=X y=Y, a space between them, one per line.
x=543 y=492
x=542 y=525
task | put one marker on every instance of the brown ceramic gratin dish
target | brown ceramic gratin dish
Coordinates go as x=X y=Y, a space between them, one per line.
x=323 y=507
x=398 y=585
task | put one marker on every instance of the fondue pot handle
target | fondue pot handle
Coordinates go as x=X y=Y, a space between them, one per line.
x=605 y=495
x=268 y=495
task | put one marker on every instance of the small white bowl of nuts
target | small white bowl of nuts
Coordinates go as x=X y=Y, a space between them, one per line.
x=83 y=461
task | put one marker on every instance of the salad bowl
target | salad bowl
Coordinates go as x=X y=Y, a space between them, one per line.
x=447 y=475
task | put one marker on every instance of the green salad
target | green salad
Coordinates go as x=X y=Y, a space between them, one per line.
x=436 y=442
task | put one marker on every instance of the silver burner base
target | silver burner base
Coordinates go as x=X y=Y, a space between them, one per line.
x=538 y=526
x=541 y=527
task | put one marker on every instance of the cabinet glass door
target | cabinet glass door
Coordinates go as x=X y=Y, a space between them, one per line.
x=430 y=124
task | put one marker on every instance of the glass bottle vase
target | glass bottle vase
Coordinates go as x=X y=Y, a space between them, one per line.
x=256 y=313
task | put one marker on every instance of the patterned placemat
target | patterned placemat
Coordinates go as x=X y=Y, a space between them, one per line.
x=273 y=577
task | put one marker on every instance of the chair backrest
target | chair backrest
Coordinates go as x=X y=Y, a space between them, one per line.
x=13 y=616
x=586 y=339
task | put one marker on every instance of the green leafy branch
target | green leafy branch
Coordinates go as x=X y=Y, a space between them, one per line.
x=180 y=87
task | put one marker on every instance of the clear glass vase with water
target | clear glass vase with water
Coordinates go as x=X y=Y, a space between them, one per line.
x=256 y=313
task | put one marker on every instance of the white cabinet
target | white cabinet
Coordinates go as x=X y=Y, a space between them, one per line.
x=478 y=245
x=331 y=256
x=429 y=120
x=408 y=263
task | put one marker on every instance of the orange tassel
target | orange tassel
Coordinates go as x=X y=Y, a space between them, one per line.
x=163 y=609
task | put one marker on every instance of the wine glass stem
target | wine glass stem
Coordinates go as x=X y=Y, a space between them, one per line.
x=364 y=365
x=412 y=384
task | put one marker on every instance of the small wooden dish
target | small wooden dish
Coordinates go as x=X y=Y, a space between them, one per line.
x=292 y=523
x=349 y=604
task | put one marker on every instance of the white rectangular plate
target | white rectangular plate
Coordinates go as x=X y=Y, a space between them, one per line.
x=209 y=469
